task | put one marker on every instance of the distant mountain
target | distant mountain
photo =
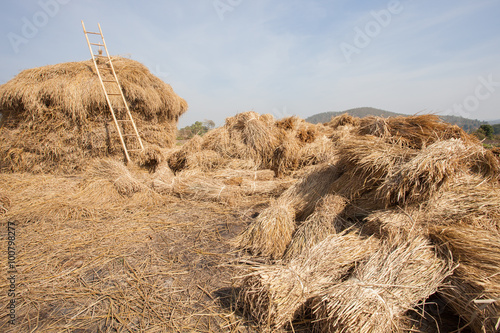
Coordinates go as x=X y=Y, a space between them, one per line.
x=494 y=122
x=466 y=124
x=357 y=112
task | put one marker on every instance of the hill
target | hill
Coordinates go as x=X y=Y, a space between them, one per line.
x=494 y=122
x=465 y=123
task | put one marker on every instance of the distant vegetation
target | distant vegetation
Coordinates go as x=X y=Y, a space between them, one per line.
x=467 y=124
x=198 y=128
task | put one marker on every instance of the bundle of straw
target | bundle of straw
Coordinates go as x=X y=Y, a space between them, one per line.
x=474 y=288
x=116 y=173
x=271 y=233
x=325 y=220
x=343 y=120
x=415 y=132
x=379 y=292
x=430 y=169
x=273 y=295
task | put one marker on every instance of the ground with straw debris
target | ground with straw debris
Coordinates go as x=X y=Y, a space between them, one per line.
x=362 y=225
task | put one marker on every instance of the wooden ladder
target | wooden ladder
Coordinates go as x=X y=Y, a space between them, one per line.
x=114 y=95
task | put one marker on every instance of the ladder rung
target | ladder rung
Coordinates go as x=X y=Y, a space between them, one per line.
x=97 y=44
x=114 y=94
x=134 y=149
x=100 y=56
x=92 y=33
x=108 y=80
x=123 y=120
x=129 y=135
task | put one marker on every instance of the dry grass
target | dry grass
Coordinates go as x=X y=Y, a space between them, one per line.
x=92 y=259
x=273 y=295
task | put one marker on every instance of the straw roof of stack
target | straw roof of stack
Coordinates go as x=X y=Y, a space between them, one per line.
x=55 y=117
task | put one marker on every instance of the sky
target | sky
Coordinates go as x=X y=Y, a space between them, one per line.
x=283 y=57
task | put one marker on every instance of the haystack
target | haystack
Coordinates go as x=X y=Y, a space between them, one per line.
x=55 y=117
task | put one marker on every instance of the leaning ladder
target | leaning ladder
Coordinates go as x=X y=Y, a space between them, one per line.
x=114 y=95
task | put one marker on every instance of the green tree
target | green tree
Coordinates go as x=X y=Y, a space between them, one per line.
x=487 y=130
x=198 y=128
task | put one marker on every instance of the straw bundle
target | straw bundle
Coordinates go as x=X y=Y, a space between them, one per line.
x=426 y=172
x=271 y=232
x=219 y=140
x=314 y=185
x=150 y=157
x=118 y=174
x=325 y=220
x=474 y=288
x=259 y=140
x=178 y=159
x=414 y=131
x=290 y=124
x=391 y=223
x=343 y=120
x=379 y=292
x=273 y=295
x=286 y=156
x=320 y=151
x=367 y=161
x=468 y=199
x=56 y=117
x=204 y=160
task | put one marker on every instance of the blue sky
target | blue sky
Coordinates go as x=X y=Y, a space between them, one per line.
x=284 y=57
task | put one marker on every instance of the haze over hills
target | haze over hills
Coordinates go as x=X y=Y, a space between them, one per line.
x=465 y=123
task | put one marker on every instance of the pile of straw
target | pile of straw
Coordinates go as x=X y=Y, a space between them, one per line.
x=393 y=179
x=271 y=233
x=380 y=290
x=273 y=295
x=473 y=290
x=55 y=117
x=253 y=141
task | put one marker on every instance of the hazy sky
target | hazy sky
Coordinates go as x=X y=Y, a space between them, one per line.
x=284 y=57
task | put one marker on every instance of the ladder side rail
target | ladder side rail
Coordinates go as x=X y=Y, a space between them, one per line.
x=121 y=91
x=105 y=92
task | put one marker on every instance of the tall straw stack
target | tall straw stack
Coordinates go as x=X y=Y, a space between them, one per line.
x=56 y=117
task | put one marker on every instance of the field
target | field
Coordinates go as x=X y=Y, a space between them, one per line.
x=260 y=225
